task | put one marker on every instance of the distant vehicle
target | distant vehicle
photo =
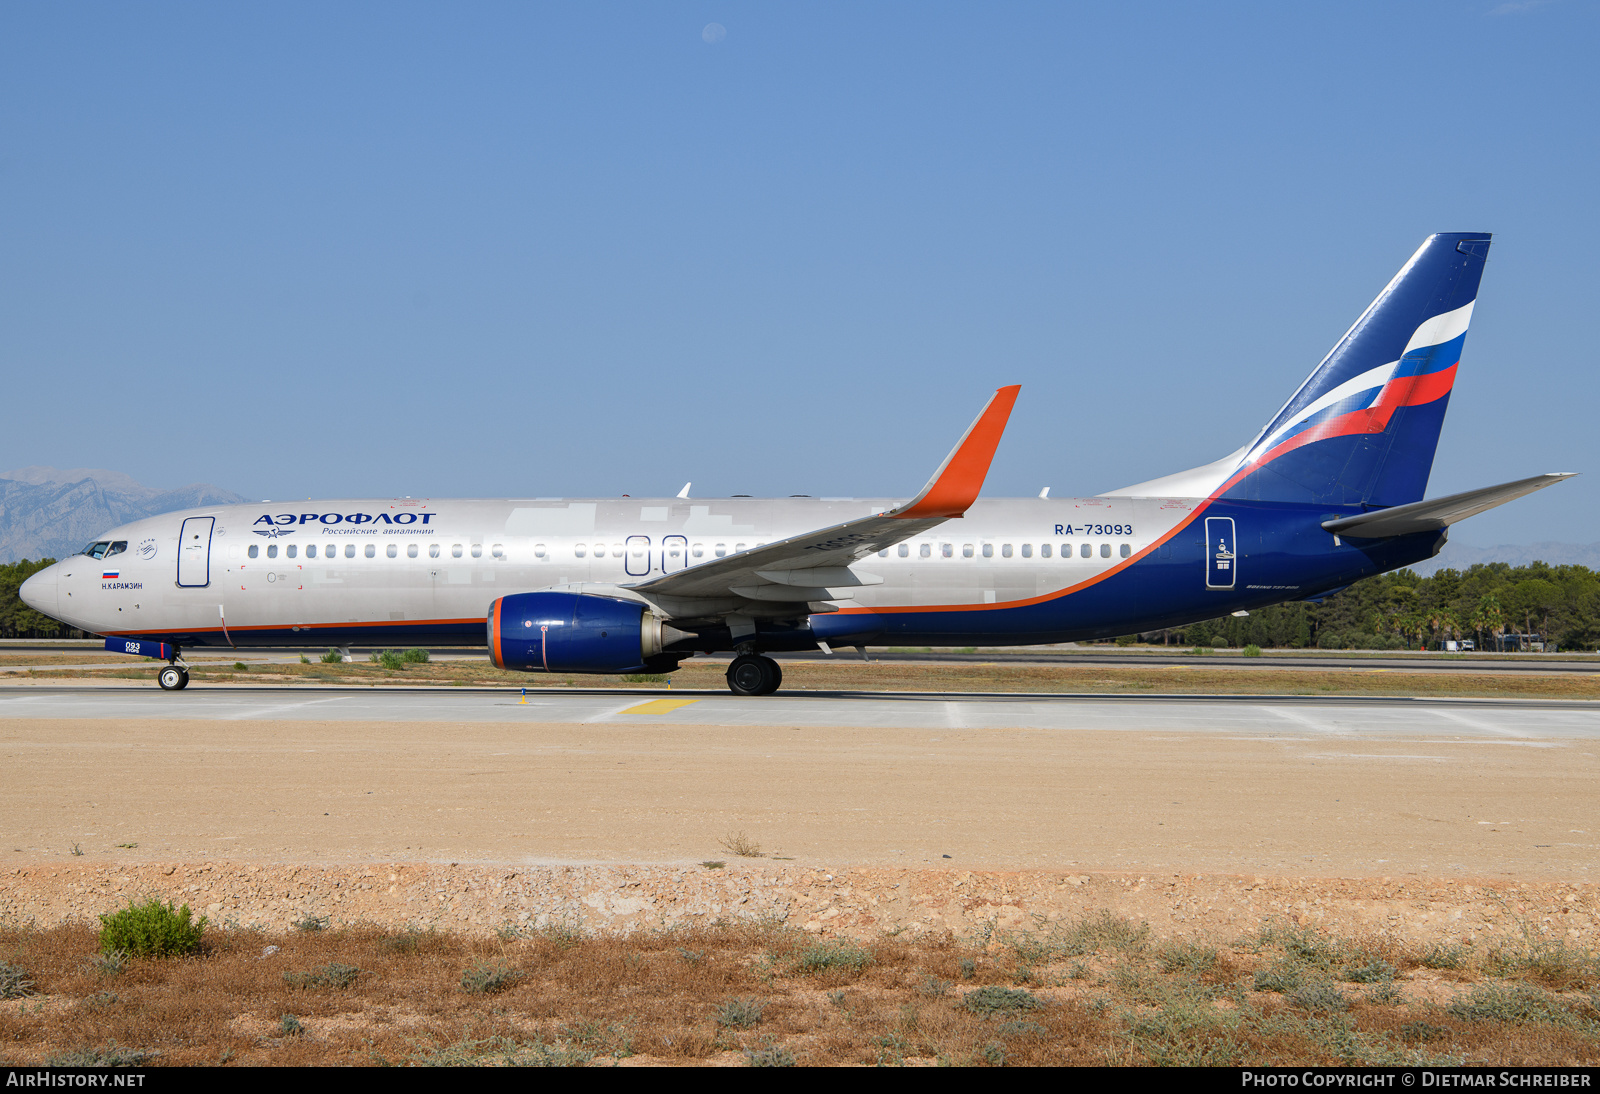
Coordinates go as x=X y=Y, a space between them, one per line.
x=1328 y=492
x=1468 y=645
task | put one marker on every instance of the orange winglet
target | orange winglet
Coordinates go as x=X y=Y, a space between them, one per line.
x=956 y=484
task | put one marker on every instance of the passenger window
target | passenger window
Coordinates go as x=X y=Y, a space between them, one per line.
x=988 y=550
x=291 y=550
x=455 y=550
x=1005 y=550
x=1105 y=550
x=1066 y=550
x=926 y=550
x=616 y=550
x=372 y=550
x=721 y=549
x=1044 y=550
x=579 y=549
x=349 y=550
x=1086 y=551
x=272 y=550
x=311 y=550
x=498 y=551
x=699 y=550
x=411 y=550
x=538 y=550
x=433 y=550
x=255 y=550
x=393 y=551
x=966 y=550
x=905 y=550
x=738 y=547
x=599 y=550
x=1125 y=550
x=946 y=550
x=1027 y=550
x=884 y=553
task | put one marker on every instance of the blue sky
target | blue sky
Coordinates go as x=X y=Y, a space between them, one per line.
x=512 y=249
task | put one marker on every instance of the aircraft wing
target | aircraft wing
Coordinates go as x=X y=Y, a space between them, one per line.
x=1430 y=516
x=806 y=566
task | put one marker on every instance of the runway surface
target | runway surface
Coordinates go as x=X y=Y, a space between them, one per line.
x=1280 y=715
x=1316 y=785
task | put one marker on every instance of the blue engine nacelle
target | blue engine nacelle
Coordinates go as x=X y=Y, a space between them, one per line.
x=578 y=632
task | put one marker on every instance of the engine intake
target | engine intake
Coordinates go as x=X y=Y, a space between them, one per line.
x=579 y=632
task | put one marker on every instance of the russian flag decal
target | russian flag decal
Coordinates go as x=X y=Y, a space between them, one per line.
x=110 y=575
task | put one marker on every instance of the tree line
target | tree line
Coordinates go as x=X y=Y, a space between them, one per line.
x=17 y=620
x=1403 y=610
x=1400 y=610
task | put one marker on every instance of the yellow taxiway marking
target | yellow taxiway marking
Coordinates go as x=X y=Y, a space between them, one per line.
x=659 y=706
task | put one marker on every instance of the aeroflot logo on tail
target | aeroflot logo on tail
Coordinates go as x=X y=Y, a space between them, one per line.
x=275 y=524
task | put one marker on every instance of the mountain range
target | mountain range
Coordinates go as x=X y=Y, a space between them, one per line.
x=49 y=513
x=1461 y=556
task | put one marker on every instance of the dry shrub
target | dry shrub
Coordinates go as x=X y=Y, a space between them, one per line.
x=670 y=996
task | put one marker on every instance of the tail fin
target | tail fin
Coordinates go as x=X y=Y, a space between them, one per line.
x=1363 y=427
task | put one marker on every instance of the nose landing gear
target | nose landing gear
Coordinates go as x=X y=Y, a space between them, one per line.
x=174 y=677
x=751 y=674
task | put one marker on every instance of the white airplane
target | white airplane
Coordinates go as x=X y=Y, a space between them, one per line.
x=1329 y=491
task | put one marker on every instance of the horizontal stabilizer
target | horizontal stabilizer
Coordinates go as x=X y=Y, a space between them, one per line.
x=1430 y=516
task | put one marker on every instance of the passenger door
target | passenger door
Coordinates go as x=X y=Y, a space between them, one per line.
x=194 y=552
x=1222 y=554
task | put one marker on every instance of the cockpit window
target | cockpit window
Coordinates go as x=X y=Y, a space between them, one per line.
x=117 y=548
x=97 y=550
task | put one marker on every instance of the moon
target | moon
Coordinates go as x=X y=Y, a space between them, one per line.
x=714 y=33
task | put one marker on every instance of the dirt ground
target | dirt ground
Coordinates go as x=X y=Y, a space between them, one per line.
x=1180 y=828
x=856 y=902
x=509 y=843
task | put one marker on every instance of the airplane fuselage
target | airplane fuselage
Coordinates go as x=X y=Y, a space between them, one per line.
x=393 y=572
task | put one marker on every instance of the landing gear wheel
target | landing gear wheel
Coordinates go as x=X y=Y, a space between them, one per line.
x=753 y=675
x=183 y=680
x=172 y=678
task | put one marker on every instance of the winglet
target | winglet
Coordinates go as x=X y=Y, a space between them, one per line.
x=956 y=484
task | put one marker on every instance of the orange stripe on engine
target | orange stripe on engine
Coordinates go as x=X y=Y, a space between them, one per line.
x=494 y=637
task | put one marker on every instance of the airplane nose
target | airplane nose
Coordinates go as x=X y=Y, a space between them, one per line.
x=39 y=592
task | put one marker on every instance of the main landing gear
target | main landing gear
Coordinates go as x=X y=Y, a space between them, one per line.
x=174 y=677
x=751 y=674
